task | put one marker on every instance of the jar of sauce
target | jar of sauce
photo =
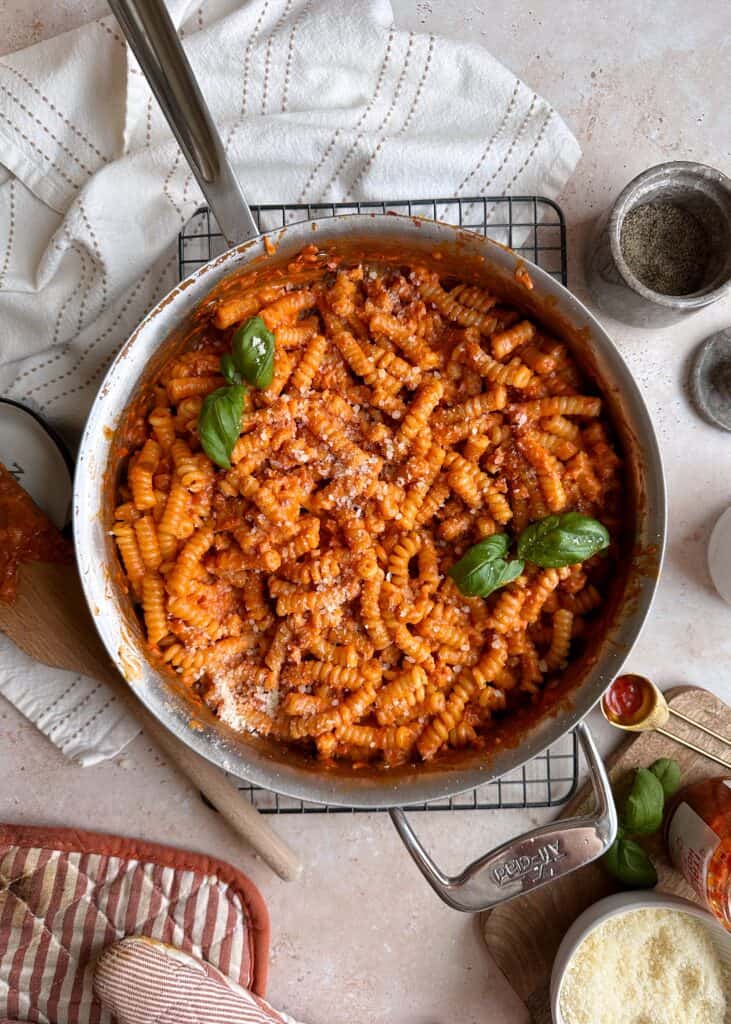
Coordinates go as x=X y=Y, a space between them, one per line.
x=698 y=837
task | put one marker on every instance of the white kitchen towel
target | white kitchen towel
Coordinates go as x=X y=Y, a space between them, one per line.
x=81 y=716
x=315 y=101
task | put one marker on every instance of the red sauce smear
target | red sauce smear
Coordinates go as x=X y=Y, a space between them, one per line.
x=26 y=535
x=626 y=699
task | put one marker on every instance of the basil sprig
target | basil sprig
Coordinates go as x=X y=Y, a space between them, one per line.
x=251 y=361
x=483 y=567
x=641 y=814
x=552 y=542
x=253 y=352
x=560 y=540
x=626 y=861
x=219 y=422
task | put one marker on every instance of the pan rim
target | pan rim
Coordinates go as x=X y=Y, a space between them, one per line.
x=151 y=686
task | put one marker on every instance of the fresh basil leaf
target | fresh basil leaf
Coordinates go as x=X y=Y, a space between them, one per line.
x=628 y=862
x=466 y=573
x=228 y=369
x=502 y=574
x=219 y=422
x=668 y=772
x=644 y=805
x=486 y=550
x=560 y=540
x=483 y=568
x=253 y=352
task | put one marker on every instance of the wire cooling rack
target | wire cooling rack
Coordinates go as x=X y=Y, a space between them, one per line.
x=546 y=781
x=531 y=225
x=534 y=228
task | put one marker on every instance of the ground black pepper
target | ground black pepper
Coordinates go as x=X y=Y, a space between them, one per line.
x=666 y=247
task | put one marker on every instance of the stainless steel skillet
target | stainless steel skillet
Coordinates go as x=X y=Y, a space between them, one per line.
x=535 y=858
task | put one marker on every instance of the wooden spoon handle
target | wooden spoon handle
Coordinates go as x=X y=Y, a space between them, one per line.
x=233 y=806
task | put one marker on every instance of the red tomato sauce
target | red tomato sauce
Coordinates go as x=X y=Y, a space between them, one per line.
x=626 y=699
x=26 y=535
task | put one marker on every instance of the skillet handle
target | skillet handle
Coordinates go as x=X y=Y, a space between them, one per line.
x=152 y=37
x=530 y=861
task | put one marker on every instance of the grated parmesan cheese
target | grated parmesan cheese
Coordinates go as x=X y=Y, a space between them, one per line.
x=646 y=967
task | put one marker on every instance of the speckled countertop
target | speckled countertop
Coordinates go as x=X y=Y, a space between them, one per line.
x=362 y=938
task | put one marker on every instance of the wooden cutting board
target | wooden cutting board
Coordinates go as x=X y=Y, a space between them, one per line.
x=524 y=934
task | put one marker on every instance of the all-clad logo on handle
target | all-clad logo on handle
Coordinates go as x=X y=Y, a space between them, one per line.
x=535 y=867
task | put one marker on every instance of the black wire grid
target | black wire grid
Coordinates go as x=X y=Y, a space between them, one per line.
x=534 y=228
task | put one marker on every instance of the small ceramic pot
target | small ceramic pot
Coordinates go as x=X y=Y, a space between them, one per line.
x=703 y=191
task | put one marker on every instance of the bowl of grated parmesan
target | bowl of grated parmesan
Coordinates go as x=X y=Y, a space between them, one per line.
x=643 y=958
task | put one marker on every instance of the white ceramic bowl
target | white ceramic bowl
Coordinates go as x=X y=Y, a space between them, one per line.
x=623 y=903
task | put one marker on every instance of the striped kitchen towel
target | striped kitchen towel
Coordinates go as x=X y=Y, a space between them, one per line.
x=65 y=896
x=315 y=100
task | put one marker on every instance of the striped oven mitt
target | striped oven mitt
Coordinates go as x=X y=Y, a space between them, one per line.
x=140 y=980
x=100 y=929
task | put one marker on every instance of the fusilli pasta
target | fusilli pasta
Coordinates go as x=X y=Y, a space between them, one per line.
x=303 y=592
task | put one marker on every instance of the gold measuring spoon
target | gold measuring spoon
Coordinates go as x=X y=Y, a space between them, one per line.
x=635 y=704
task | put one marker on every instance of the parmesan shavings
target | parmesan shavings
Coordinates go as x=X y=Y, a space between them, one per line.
x=646 y=967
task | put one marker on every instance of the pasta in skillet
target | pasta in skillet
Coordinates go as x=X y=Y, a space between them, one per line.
x=303 y=589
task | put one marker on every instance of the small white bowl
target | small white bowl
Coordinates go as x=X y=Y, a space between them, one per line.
x=624 y=903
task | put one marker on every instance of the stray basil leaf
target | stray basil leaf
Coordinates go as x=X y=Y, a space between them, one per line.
x=483 y=568
x=668 y=772
x=560 y=540
x=253 y=352
x=628 y=862
x=228 y=369
x=219 y=422
x=644 y=806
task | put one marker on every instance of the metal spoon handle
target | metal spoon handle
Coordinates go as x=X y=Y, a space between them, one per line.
x=151 y=35
x=692 y=746
x=697 y=725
